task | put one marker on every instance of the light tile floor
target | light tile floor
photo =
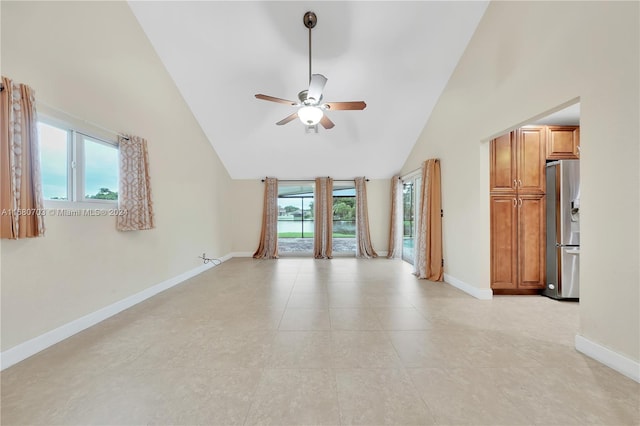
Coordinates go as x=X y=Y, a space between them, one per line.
x=317 y=342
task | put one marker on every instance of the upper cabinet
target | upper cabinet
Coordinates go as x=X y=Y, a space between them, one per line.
x=503 y=164
x=563 y=142
x=518 y=161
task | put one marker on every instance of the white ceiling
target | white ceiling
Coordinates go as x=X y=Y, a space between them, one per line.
x=569 y=116
x=396 y=56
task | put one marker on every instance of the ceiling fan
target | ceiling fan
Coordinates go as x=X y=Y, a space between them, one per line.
x=310 y=110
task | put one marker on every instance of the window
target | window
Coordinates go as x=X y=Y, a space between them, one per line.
x=344 y=218
x=54 y=161
x=410 y=206
x=295 y=218
x=75 y=166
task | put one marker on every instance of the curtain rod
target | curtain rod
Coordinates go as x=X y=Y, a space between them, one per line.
x=75 y=117
x=313 y=180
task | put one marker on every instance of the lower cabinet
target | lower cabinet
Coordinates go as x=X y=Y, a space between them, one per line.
x=518 y=237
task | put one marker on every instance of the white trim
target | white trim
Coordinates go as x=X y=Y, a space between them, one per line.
x=614 y=360
x=411 y=175
x=478 y=293
x=31 y=347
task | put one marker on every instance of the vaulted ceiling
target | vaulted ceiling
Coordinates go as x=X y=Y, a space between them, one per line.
x=396 y=56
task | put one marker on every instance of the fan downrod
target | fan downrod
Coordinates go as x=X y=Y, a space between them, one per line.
x=310 y=20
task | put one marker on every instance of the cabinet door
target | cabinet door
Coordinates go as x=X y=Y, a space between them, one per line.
x=503 y=164
x=563 y=142
x=531 y=241
x=504 y=221
x=531 y=147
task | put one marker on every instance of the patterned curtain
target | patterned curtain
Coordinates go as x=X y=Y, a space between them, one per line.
x=363 y=245
x=268 y=248
x=396 y=226
x=428 y=254
x=323 y=226
x=21 y=202
x=134 y=194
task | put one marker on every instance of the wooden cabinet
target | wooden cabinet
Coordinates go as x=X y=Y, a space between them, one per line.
x=518 y=236
x=517 y=161
x=563 y=142
x=518 y=222
x=503 y=160
x=531 y=241
x=531 y=159
x=504 y=242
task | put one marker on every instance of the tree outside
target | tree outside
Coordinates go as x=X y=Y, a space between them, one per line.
x=104 y=194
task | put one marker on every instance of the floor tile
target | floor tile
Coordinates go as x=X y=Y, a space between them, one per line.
x=363 y=349
x=465 y=396
x=295 y=397
x=380 y=397
x=402 y=319
x=301 y=349
x=304 y=341
x=354 y=319
x=305 y=319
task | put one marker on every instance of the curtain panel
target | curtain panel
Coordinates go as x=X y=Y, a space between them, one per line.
x=364 y=249
x=396 y=225
x=428 y=253
x=323 y=220
x=21 y=201
x=134 y=194
x=268 y=248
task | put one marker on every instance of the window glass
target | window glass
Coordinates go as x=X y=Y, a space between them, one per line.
x=295 y=218
x=344 y=218
x=100 y=170
x=54 y=156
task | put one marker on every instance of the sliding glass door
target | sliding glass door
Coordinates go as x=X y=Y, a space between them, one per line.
x=296 y=218
x=410 y=206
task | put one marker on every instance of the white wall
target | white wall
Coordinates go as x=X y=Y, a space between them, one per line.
x=247 y=198
x=525 y=59
x=246 y=218
x=92 y=61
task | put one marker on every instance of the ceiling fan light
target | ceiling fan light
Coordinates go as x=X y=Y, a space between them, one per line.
x=310 y=115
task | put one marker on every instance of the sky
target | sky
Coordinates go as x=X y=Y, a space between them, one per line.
x=101 y=162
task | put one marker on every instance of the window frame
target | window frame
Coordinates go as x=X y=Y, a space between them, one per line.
x=76 y=168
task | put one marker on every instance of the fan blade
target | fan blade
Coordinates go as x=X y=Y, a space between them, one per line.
x=357 y=105
x=316 y=85
x=288 y=119
x=274 y=99
x=326 y=123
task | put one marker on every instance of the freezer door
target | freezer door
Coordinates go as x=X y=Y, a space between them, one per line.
x=568 y=199
x=569 y=272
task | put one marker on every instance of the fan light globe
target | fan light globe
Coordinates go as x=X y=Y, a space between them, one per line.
x=310 y=115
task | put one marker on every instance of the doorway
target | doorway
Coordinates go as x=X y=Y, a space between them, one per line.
x=410 y=205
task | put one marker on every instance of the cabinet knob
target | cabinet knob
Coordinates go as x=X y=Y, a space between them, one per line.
x=515 y=183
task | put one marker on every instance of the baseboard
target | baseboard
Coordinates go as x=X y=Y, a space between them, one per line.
x=611 y=359
x=478 y=293
x=31 y=347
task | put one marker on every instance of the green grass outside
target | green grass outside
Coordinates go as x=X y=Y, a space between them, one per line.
x=310 y=235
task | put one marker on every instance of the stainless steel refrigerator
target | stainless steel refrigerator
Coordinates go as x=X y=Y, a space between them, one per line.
x=563 y=229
